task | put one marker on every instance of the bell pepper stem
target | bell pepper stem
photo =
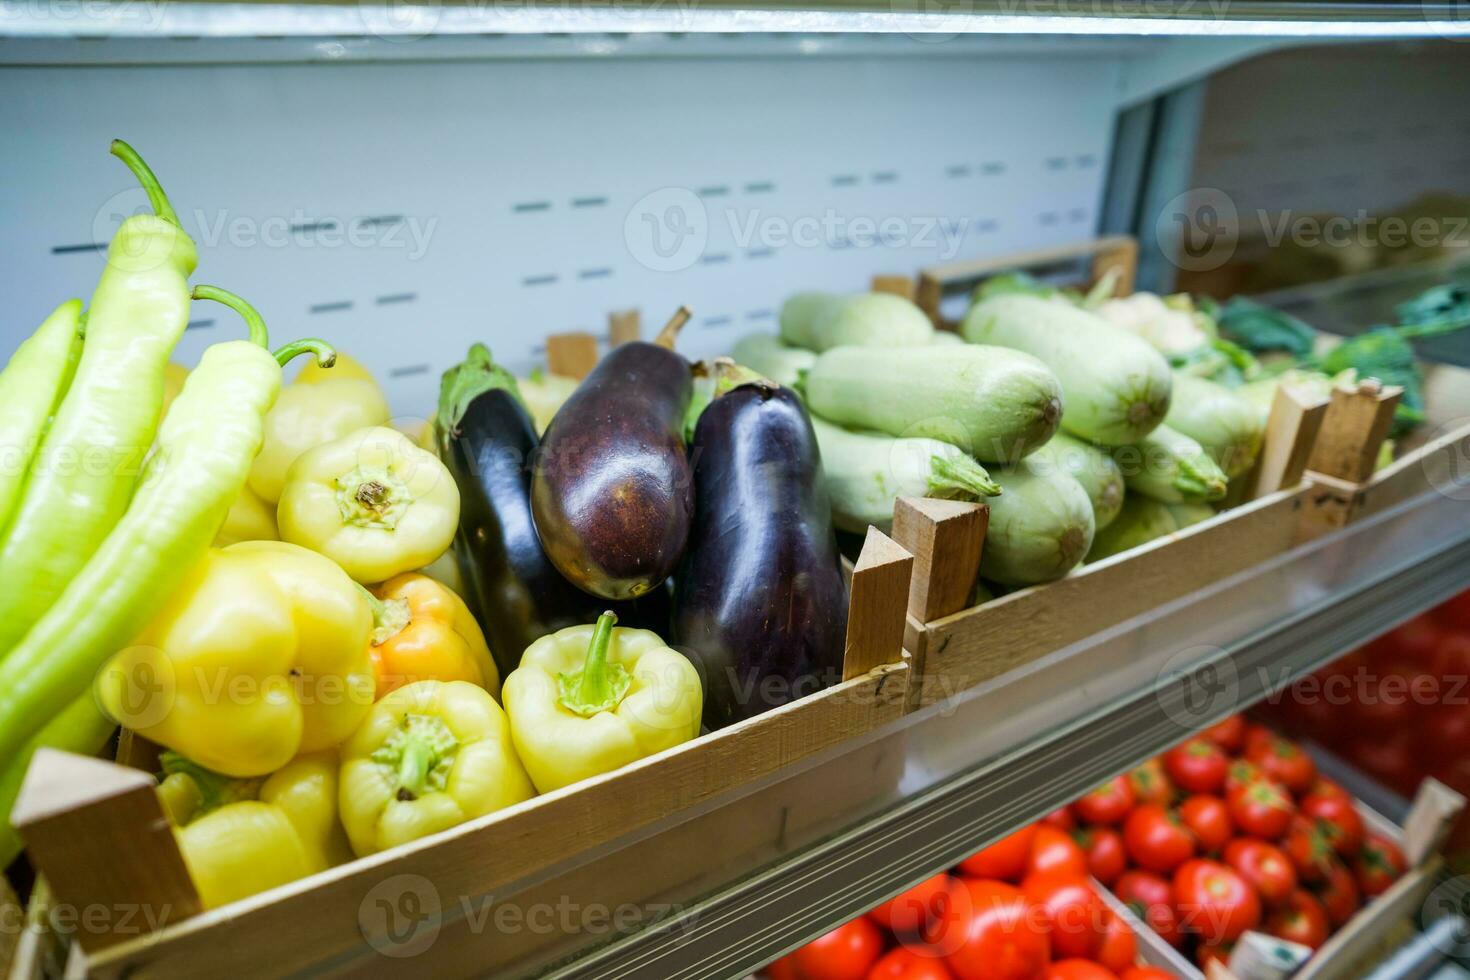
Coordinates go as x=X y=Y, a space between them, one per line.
x=156 y=197
x=390 y=616
x=253 y=320
x=326 y=356
x=418 y=756
x=413 y=768
x=214 y=789
x=599 y=685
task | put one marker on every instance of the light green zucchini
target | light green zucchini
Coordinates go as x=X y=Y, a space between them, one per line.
x=1141 y=520
x=995 y=404
x=1091 y=467
x=1187 y=515
x=1171 y=468
x=1116 y=385
x=866 y=471
x=946 y=337
x=1227 y=425
x=1040 y=526
x=766 y=355
x=820 y=321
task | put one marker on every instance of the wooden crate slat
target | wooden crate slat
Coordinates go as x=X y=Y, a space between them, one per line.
x=879 y=597
x=1291 y=432
x=573 y=355
x=1353 y=431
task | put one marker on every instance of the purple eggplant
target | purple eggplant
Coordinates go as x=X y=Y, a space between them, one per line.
x=759 y=601
x=612 y=493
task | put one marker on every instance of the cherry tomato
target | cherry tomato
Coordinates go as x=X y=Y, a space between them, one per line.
x=1208 y=819
x=908 y=913
x=1005 y=859
x=1074 y=910
x=1119 y=949
x=1197 y=766
x=1261 y=809
x=1301 y=920
x=1309 y=850
x=1264 y=867
x=1061 y=818
x=1284 y=762
x=1378 y=865
x=1146 y=973
x=1214 y=901
x=1053 y=850
x=999 y=940
x=903 y=963
x=845 y=953
x=1077 y=969
x=1150 y=784
x=1152 y=899
x=1228 y=733
x=1106 y=858
x=1157 y=839
x=1338 y=820
x=1207 y=953
x=1108 y=804
x=1339 y=895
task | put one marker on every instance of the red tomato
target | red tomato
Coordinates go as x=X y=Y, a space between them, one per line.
x=1119 y=947
x=1242 y=773
x=1052 y=850
x=1263 y=867
x=951 y=911
x=1079 y=970
x=909 y=913
x=1106 y=858
x=1006 y=858
x=1414 y=641
x=1261 y=809
x=1108 y=804
x=1157 y=839
x=906 y=964
x=1339 y=894
x=1000 y=939
x=1301 y=920
x=782 y=969
x=1207 y=953
x=1453 y=613
x=1389 y=756
x=1061 y=818
x=1257 y=736
x=1197 y=766
x=845 y=953
x=1208 y=819
x=1308 y=849
x=1327 y=786
x=1378 y=865
x=1338 y=820
x=1150 y=784
x=1146 y=973
x=1214 y=901
x=1152 y=899
x=1284 y=762
x=1229 y=734
x=1073 y=909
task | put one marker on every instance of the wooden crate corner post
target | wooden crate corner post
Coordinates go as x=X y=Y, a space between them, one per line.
x=877 y=605
x=1291 y=433
x=1353 y=430
x=1117 y=256
x=624 y=326
x=896 y=285
x=572 y=355
x=98 y=832
x=1429 y=820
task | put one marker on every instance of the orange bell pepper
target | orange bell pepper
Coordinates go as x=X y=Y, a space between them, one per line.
x=424 y=631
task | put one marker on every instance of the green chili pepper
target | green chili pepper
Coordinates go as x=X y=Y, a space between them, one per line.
x=31 y=388
x=205 y=448
x=87 y=467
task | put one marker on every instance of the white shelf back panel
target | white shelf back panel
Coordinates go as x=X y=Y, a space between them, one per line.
x=404 y=210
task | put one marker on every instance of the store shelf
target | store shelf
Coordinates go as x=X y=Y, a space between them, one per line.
x=749 y=876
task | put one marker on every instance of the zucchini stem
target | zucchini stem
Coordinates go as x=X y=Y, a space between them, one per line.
x=959 y=477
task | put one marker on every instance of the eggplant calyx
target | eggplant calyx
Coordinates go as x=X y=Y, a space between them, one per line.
x=468 y=380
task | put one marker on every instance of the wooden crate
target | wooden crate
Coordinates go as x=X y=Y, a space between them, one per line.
x=1346 y=953
x=73 y=807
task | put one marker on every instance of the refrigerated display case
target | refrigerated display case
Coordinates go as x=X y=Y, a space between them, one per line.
x=552 y=179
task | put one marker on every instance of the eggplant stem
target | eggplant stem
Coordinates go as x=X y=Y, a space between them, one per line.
x=670 y=332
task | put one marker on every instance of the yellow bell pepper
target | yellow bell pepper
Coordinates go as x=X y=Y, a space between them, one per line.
x=320 y=407
x=261 y=655
x=590 y=699
x=345 y=369
x=373 y=502
x=429 y=757
x=544 y=393
x=249 y=519
x=423 y=631
x=240 y=837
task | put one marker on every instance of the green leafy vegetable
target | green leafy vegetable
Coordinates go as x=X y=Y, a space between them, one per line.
x=1260 y=328
x=1449 y=303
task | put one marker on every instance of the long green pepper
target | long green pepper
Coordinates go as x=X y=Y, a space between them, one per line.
x=87 y=467
x=205 y=449
x=31 y=389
